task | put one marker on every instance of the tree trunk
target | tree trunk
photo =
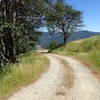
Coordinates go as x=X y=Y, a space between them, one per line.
x=13 y=48
x=64 y=37
x=13 y=44
x=65 y=33
x=10 y=10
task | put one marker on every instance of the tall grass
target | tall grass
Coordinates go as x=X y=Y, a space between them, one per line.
x=14 y=76
x=87 y=50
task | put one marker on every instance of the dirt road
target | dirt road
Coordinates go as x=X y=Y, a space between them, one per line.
x=45 y=87
x=86 y=86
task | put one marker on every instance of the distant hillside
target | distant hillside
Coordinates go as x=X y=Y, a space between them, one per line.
x=46 y=38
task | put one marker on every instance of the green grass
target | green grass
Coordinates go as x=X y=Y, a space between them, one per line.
x=14 y=76
x=86 y=50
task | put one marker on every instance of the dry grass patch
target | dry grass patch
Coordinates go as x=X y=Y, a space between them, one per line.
x=68 y=75
x=68 y=79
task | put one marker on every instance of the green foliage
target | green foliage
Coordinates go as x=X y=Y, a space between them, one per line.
x=53 y=44
x=19 y=23
x=24 y=39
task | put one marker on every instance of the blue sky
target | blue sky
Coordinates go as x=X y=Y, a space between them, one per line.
x=91 y=13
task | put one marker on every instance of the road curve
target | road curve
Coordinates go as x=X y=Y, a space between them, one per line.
x=45 y=87
x=86 y=86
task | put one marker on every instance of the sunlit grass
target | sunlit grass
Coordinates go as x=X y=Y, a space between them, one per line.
x=14 y=76
x=87 y=50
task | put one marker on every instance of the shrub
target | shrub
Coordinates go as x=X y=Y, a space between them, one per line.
x=53 y=44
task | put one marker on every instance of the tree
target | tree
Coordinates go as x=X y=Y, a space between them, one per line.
x=19 y=23
x=65 y=19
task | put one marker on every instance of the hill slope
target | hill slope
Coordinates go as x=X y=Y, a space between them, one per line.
x=86 y=50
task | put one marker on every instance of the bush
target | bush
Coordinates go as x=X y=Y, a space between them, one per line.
x=53 y=44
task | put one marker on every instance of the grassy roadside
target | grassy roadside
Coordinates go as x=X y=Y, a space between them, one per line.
x=85 y=50
x=31 y=66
